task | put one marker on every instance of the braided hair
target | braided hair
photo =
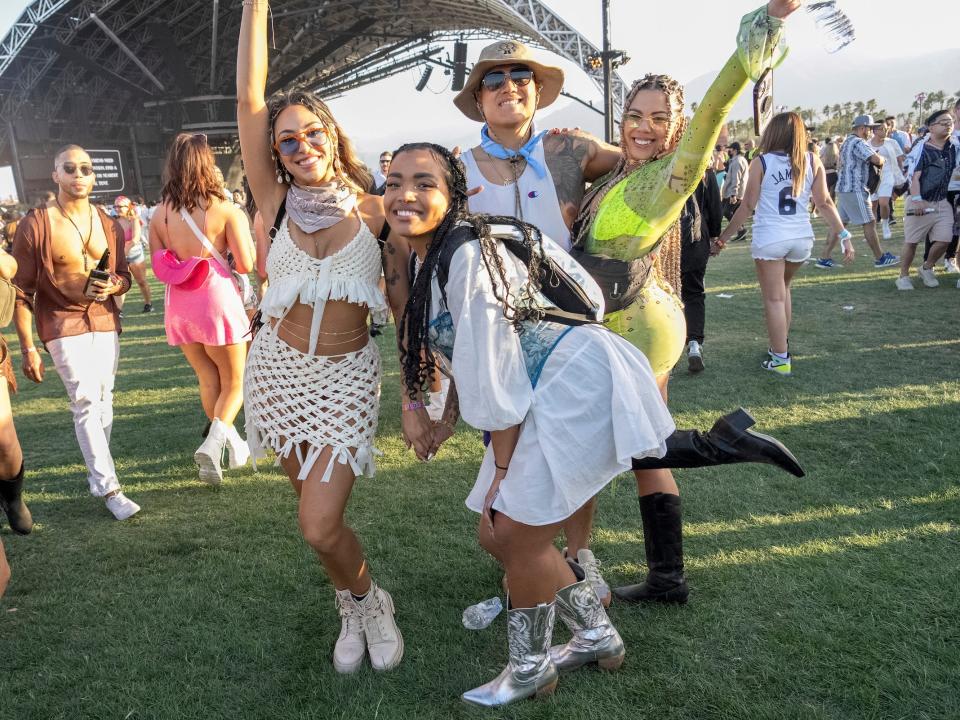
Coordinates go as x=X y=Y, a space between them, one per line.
x=416 y=358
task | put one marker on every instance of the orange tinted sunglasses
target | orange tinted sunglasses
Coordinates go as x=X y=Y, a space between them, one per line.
x=290 y=143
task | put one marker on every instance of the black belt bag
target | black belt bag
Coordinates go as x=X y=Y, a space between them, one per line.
x=621 y=281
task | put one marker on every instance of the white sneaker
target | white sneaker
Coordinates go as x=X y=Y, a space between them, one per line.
x=950 y=266
x=886 y=230
x=121 y=506
x=928 y=277
x=904 y=283
x=351 y=646
x=384 y=641
x=695 y=357
x=208 y=455
x=238 y=452
x=587 y=562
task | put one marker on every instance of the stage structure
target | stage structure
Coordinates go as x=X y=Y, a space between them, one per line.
x=125 y=75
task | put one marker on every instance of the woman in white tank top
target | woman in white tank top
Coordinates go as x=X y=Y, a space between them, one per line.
x=782 y=179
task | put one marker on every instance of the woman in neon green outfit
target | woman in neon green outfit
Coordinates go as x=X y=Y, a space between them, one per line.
x=633 y=214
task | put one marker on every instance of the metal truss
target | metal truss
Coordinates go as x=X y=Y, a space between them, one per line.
x=330 y=46
x=23 y=29
x=561 y=38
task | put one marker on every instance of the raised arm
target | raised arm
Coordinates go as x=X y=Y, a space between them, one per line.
x=253 y=118
x=643 y=206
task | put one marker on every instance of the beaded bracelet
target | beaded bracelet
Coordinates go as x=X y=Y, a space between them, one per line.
x=415 y=405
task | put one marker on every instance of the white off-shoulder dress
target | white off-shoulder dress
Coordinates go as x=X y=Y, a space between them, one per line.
x=585 y=398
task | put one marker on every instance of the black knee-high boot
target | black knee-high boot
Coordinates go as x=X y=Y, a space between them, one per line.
x=728 y=441
x=663 y=545
x=11 y=501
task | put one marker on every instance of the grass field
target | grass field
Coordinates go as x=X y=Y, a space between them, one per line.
x=835 y=596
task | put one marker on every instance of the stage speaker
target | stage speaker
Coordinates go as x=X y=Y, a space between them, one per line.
x=425 y=78
x=459 y=66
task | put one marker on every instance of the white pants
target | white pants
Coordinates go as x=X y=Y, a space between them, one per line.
x=87 y=364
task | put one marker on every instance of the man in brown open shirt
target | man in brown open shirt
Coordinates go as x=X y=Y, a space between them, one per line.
x=56 y=247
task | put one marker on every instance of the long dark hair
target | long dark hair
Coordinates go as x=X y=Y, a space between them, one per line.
x=416 y=359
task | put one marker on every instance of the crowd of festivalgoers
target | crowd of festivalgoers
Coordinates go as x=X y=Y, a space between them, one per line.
x=566 y=402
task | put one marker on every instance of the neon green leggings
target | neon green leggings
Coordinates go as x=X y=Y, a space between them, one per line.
x=655 y=325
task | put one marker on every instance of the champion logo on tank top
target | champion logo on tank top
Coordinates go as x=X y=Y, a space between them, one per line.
x=533 y=194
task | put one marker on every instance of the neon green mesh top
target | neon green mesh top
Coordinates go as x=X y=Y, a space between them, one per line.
x=638 y=210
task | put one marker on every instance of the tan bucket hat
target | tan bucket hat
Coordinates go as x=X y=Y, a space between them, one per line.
x=506 y=52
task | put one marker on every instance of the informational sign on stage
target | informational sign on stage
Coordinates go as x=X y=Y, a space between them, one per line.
x=108 y=171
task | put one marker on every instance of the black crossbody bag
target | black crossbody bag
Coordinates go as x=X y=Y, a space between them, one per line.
x=572 y=305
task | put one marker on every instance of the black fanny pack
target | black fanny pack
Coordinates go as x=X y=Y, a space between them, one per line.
x=620 y=281
x=572 y=305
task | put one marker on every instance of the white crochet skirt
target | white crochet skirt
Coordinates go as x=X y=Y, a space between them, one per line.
x=299 y=403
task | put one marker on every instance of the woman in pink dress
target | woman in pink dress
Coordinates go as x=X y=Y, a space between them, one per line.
x=190 y=234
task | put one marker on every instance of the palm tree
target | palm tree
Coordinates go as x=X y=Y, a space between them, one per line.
x=825 y=111
x=936 y=98
x=847 y=108
x=858 y=107
x=871 y=106
x=836 y=110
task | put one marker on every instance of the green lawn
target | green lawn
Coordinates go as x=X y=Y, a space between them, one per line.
x=834 y=596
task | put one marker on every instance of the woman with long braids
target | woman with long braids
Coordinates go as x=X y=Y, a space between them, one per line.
x=521 y=378
x=311 y=389
x=632 y=216
x=567 y=407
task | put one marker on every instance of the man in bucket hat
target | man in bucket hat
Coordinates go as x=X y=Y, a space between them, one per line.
x=535 y=176
x=853 y=199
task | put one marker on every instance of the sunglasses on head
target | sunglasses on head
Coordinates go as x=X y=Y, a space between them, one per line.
x=495 y=79
x=70 y=168
x=289 y=143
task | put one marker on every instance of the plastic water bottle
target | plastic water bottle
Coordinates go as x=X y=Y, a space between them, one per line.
x=833 y=22
x=479 y=616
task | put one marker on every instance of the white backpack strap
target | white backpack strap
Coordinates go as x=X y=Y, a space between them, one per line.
x=203 y=239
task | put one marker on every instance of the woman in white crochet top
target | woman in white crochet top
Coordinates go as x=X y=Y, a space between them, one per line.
x=312 y=381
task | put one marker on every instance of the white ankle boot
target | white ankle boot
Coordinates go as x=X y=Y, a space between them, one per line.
x=384 y=641
x=238 y=452
x=208 y=455
x=351 y=646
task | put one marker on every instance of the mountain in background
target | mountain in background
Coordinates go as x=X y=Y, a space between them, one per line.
x=810 y=83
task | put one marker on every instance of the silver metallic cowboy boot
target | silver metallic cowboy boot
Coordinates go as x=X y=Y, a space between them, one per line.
x=530 y=670
x=594 y=637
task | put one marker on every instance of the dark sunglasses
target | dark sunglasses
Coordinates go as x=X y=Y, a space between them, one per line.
x=290 y=144
x=70 y=168
x=495 y=79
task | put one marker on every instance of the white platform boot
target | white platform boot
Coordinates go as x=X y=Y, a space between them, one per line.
x=238 y=452
x=209 y=454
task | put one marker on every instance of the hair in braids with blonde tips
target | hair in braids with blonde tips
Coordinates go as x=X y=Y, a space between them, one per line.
x=347 y=167
x=668 y=252
x=416 y=358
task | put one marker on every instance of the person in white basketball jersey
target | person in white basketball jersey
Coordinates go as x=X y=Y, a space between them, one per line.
x=782 y=179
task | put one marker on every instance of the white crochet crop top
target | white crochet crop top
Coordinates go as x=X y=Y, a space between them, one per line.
x=352 y=274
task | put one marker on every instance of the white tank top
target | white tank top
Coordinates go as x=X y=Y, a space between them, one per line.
x=539 y=204
x=779 y=216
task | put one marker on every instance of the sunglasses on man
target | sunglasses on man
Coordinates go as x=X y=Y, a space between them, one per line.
x=495 y=79
x=289 y=143
x=71 y=168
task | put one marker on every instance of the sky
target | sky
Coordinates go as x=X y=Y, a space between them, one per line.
x=384 y=114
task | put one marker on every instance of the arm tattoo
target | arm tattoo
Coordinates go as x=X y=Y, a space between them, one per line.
x=566 y=157
x=451 y=410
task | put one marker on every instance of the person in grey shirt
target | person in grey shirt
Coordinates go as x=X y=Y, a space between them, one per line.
x=853 y=199
x=734 y=183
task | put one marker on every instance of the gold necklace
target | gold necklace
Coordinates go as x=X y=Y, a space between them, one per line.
x=514 y=163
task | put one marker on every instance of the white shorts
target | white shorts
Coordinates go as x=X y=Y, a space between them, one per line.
x=797 y=250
